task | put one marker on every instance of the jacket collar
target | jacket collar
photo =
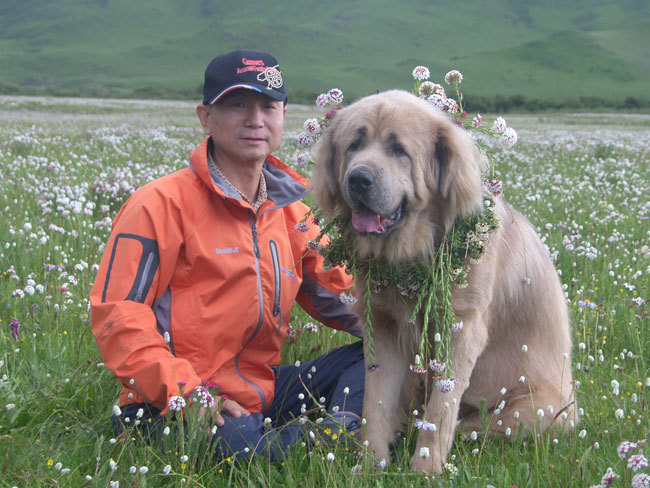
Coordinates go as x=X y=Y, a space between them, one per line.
x=283 y=185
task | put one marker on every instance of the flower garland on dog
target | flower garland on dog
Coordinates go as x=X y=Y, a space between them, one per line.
x=428 y=282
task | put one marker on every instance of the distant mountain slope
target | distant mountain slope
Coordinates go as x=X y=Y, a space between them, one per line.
x=536 y=48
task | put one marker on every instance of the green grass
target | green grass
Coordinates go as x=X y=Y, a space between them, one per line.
x=560 y=49
x=581 y=179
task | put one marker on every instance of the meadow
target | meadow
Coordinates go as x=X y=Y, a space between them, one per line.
x=67 y=165
x=588 y=54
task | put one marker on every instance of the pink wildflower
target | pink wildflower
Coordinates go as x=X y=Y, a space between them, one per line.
x=303 y=160
x=494 y=187
x=417 y=369
x=204 y=397
x=439 y=89
x=436 y=366
x=292 y=336
x=641 y=480
x=451 y=105
x=322 y=100
x=446 y=385
x=439 y=100
x=637 y=462
x=477 y=121
x=608 y=477
x=313 y=246
x=335 y=96
x=302 y=227
x=176 y=403
x=310 y=326
x=624 y=448
x=305 y=139
x=15 y=326
x=312 y=126
x=421 y=73
x=457 y=326
x=330 y=115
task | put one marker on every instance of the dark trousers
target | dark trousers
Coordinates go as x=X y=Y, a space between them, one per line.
x=337 y=376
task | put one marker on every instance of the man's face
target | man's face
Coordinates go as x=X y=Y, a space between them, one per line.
x=245 y=126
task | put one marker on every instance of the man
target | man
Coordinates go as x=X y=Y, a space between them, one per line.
x=201 y=271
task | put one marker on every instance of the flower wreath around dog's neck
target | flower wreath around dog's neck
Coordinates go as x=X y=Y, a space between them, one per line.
x=428 y=282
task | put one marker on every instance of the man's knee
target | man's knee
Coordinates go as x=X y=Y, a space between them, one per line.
x=242 y=437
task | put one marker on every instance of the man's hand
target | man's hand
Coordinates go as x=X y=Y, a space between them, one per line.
x=231 y=407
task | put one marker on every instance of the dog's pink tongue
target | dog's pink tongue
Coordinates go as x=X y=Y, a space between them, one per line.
x=363 y=220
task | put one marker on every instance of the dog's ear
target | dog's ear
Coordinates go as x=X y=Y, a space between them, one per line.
x=325 y=175
x=455 y=171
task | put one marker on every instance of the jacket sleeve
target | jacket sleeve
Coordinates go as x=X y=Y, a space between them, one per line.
x=134 y=276
x=321 y=289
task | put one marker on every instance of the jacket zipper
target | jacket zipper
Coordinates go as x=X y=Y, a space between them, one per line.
x=278 y=280
x=260 y=319
x=143 y=279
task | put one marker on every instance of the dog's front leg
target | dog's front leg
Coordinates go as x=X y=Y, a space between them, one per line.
x=441 y=408
x=381 y=400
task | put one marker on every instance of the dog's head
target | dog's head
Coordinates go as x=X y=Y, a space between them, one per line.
x=396 y=168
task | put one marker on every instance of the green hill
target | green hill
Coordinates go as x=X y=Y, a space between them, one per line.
x=534 y=48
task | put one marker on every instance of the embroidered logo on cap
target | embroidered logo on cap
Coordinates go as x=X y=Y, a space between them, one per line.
x=272 y=76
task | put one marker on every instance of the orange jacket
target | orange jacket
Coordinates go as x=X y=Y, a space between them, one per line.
x=189 y=258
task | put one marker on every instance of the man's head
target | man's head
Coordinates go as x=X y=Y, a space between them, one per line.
x=243 y=69
x=244 y=105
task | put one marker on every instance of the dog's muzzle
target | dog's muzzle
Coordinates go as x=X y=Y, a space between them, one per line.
x=362 y=197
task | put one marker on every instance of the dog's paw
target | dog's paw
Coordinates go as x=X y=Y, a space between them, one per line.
x=424 y=461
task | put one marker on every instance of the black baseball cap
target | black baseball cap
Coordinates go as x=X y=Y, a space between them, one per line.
x=243 y=69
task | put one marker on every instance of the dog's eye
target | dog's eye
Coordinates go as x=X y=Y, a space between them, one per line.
x=398 y=150
x=356 y=144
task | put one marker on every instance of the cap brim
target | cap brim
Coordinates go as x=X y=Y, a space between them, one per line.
x=280 y=97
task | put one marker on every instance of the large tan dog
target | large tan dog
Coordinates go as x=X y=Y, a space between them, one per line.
x=398 y=172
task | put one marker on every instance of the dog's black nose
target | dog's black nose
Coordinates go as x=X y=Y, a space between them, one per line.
x=360 y=180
